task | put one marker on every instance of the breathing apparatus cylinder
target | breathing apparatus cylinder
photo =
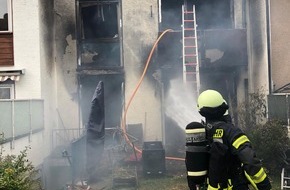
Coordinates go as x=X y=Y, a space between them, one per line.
x=197 y=156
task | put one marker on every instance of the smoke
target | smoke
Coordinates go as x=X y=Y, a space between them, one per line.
x=181 y=104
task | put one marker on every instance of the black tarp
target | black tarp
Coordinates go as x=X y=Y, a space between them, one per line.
x=95 y=133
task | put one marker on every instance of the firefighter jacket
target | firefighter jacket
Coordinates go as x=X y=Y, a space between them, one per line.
x=231 y=155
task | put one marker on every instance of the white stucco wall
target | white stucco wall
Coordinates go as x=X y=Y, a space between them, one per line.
x=26 y=48
x=140 y=31
x=47 y=52
x=26 y=37
x=280 y=42
x=37 y=147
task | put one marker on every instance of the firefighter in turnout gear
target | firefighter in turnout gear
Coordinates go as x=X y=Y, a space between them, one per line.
x=232 y=162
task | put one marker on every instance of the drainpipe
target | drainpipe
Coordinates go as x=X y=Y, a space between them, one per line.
x=163 y=114
x=268 y=23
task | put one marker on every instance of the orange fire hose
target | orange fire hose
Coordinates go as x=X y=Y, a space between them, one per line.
x=123 y=124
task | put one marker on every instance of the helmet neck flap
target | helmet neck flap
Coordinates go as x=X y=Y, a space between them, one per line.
x=214 y=113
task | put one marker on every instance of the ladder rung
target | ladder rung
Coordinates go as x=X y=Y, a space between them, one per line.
x=190 y=64
x=190 y=51
x=189 y=28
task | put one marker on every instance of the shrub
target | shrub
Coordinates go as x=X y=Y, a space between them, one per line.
x=252 y=112
x=269 y=138
x=270 y=142
x=16 y=172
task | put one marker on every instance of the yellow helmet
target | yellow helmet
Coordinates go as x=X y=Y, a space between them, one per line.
x=211 y=104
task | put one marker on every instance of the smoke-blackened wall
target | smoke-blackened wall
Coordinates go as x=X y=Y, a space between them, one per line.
x=140 y=29
x=47 y=69
x=257 y=45
x=212 y=14
x=66 y=63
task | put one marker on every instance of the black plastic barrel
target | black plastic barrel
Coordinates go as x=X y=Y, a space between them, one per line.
x=153 y=158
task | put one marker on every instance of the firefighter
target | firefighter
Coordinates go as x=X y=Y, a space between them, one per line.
x=232 y=157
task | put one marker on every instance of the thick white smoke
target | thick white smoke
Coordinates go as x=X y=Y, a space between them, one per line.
x=181 y=104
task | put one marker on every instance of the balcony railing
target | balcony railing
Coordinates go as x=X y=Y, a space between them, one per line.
x=64 y=137
x=21 y=117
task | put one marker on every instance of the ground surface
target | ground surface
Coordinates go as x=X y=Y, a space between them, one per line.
x=120 y=173
x=130 y=177
x=173 y=179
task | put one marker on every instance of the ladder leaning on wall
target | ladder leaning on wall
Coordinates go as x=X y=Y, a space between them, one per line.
x=190 y=48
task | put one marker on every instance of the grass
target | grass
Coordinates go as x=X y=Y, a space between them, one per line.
x=276 y=182
x=180 y=183
x=167 y=182
x=173 y=179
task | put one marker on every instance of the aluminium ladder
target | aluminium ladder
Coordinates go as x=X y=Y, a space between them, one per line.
x=190 y=48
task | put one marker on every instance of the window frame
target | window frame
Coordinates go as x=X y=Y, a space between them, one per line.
x=9 y=11
x=97 y=3
x=9 y=86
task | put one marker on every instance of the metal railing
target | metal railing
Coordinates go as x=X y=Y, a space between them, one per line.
x=63 y=137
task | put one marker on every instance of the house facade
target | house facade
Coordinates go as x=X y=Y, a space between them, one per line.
x=54 y=53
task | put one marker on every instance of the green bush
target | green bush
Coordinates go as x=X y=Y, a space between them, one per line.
x=253 y=111
x=269 y=138
x=270 y=141
x=16 y=172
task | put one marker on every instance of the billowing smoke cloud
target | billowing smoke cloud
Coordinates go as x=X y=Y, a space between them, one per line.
x=181 y=104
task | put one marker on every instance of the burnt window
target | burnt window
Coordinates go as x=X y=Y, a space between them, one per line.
x=99 y=20
x=99 y=42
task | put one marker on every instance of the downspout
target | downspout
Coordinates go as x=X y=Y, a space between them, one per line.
x=268 y=25
x=79 y=85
